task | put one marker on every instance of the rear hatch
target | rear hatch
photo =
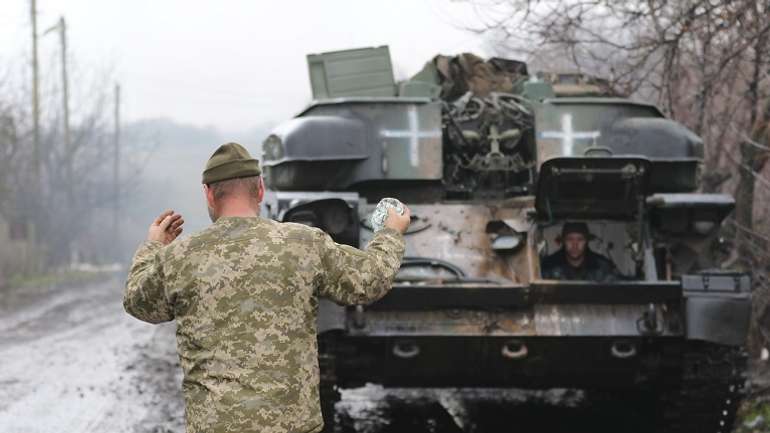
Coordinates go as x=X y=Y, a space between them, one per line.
x=588 y=188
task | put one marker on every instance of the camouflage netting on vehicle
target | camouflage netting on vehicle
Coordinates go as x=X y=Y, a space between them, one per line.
x=458 y=75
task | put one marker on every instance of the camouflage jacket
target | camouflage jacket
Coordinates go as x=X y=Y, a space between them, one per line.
x=244 y=293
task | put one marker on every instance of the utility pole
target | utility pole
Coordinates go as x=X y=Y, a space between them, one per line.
x=69 y=180
x=65 y=101
x=116 y=173
x=68 y=158
x=35 y=204
x=61 y=27
x=35 y=99
x=69 y=187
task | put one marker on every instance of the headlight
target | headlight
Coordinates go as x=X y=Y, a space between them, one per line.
x=272 y=148
x=703 y=227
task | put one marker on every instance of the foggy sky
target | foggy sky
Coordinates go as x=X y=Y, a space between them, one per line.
x=231 y=64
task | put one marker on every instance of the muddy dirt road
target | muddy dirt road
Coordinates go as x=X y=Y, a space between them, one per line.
x=71 y=361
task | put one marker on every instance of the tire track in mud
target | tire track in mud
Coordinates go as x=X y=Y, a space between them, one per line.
x=159 y=377
x=71 y=360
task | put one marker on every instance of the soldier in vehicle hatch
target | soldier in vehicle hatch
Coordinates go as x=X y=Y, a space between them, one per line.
x=575 y=261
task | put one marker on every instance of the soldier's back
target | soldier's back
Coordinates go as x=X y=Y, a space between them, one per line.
x=243 y=292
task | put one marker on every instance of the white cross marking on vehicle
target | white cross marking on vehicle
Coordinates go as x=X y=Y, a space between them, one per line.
x=413 y=134
x=568 y=136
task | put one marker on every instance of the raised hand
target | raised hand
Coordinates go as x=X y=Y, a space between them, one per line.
x=166 y=227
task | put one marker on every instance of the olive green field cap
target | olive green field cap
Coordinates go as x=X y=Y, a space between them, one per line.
x=230 y=161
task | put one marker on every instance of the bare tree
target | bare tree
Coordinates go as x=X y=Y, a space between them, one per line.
x=705 y=62
x=75 y=179
x=9 y=150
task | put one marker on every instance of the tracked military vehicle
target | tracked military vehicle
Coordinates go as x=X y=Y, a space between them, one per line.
x=492 y=161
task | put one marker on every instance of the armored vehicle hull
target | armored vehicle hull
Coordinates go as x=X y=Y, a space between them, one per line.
x=490 y=177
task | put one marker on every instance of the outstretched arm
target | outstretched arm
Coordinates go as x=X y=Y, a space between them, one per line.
x=353 y=276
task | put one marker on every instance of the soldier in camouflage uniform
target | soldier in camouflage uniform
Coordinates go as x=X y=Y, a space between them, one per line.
x=244 y=293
